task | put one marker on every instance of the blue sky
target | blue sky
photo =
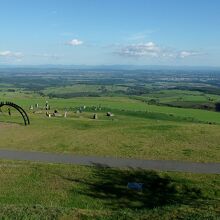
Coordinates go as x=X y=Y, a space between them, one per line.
x=97 y=32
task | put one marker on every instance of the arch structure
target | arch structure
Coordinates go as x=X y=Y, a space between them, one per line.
x=19 y=109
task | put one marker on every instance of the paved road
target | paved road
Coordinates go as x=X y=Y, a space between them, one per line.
x=161 y=165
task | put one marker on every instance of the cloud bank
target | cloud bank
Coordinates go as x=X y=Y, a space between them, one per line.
x=151 y=49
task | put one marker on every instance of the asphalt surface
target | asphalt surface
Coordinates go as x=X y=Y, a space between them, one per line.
x=160 y=165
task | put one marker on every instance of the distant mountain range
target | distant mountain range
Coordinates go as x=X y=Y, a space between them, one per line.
x=112 y=67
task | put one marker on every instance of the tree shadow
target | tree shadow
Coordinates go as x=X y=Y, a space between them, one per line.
x=110 y=186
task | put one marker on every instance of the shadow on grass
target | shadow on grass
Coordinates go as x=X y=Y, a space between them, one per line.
x=110 y=186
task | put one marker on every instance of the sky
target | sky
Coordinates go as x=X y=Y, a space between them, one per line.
x=110 y=32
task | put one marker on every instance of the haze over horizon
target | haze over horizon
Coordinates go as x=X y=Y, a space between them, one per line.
x=94 y=32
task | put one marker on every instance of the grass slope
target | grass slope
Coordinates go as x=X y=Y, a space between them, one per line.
x=39 y=191
x=159 y=133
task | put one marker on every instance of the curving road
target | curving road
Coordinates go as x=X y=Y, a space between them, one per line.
x=160 y=165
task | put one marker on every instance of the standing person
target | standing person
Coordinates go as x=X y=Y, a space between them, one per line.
x=9 y=111
x=47 y=107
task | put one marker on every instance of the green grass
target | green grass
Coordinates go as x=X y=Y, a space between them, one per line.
x=183 y=98
x=46 y=191
x=119 y=103
x=128 y=134
x=78 y=88
x=138 y=130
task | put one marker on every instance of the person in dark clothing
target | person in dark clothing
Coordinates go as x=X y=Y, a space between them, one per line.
x=9 y=111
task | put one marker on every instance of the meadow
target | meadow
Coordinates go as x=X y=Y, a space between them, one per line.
x=137 y=130
x=49 y=191
x=154 y=118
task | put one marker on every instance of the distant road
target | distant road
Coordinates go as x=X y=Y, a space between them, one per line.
x=160 y=165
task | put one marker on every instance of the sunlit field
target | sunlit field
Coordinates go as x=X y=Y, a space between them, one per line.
x=160 y=124
x=137 y=130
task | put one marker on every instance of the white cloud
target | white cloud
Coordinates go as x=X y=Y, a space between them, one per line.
x=184 y=54
x=151 y=49
x=8 y=53
x=140 y=50
x=74 y=42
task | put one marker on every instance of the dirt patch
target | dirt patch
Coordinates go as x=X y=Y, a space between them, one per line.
x=8 y=125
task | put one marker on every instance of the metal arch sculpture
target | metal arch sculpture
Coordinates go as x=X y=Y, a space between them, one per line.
x=18 y=108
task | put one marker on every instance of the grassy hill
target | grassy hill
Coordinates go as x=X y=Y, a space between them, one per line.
x=155 y=117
